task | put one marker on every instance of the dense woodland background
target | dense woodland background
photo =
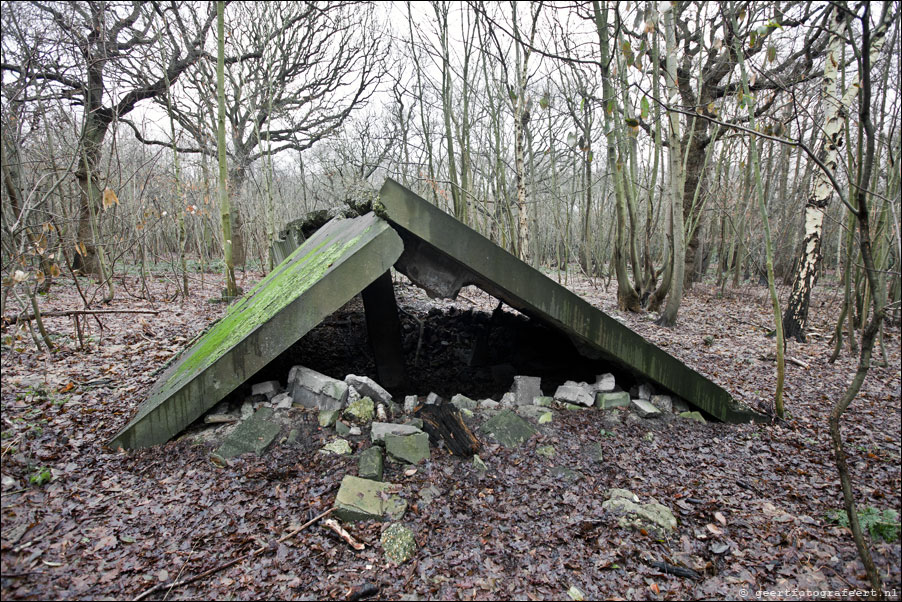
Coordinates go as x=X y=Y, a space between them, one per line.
x=566 y=133
x=650 y=146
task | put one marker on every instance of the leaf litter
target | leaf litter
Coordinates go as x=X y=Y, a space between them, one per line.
x=751 y=500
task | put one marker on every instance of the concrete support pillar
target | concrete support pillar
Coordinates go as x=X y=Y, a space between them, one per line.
x=384 y=331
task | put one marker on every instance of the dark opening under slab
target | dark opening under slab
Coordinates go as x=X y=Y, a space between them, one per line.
x=442 y=255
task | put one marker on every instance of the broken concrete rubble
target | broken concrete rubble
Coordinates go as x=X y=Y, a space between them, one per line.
x=363 y=499
x=328 y=418
x=606 y=401
x=508 y=429
x=380 y=429
x=644 y=408
x=412 y=449
x=644 y=392
x=575 y=393
x=651 y=516
x=534 y=412
x=489 y=404
x=368 y=387
x=697 y=416
x=399 y=543
x=361 y=411
x=370 y=464
x=253 y=435
x=353 y=394
x=219 y=419
x=662 y=402
x=269 y=388
x=526 y=389
x=462 y=402
x=338 y=447
x=282 y=401
x=314 y=390
x=605 y=383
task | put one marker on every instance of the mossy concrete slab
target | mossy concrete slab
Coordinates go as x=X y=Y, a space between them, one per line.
x=412 y=449
x=508 y=429
x=253 y=435
x=441 y=255
x=320 y=276
x=363 y=499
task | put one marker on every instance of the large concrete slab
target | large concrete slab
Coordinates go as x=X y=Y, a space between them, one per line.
x=441 y=255
x=320 y=276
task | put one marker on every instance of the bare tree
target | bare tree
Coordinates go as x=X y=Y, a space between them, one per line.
x=706 y=74
x=294 y=73
x=93 y=55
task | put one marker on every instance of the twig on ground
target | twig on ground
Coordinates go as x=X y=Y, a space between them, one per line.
x=799 y=362
x=181 y=570
x=333 y=524
x=11 y=445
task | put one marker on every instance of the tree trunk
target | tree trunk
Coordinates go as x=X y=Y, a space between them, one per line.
x=696 y=155
x=627 y=297
x=768 y=245
x=872 y=328
x=521 y=122
x=796 y=317
x=87 y=258
x=224 y=204
x=457 y=203
x=675 y=171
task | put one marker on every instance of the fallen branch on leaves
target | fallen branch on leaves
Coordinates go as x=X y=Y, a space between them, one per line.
x=360 y=592
x=234 y=561
x=332 y=524
x=676 y=571
x=75 y=312
x=791 y=360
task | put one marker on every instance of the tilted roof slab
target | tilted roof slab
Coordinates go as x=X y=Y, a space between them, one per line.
x=342 y=258
x=320 y=276
x=442 y=255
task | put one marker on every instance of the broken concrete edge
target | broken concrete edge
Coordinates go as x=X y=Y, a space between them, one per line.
x=315 y=281
x=456 y=256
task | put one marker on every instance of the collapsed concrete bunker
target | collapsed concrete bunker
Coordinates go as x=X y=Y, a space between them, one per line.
x=351 y=256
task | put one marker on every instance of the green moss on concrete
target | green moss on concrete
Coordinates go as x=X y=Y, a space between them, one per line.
x=264 y=301
x=343 y=257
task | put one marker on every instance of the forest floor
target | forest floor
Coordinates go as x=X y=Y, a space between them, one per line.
x=752 y=500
